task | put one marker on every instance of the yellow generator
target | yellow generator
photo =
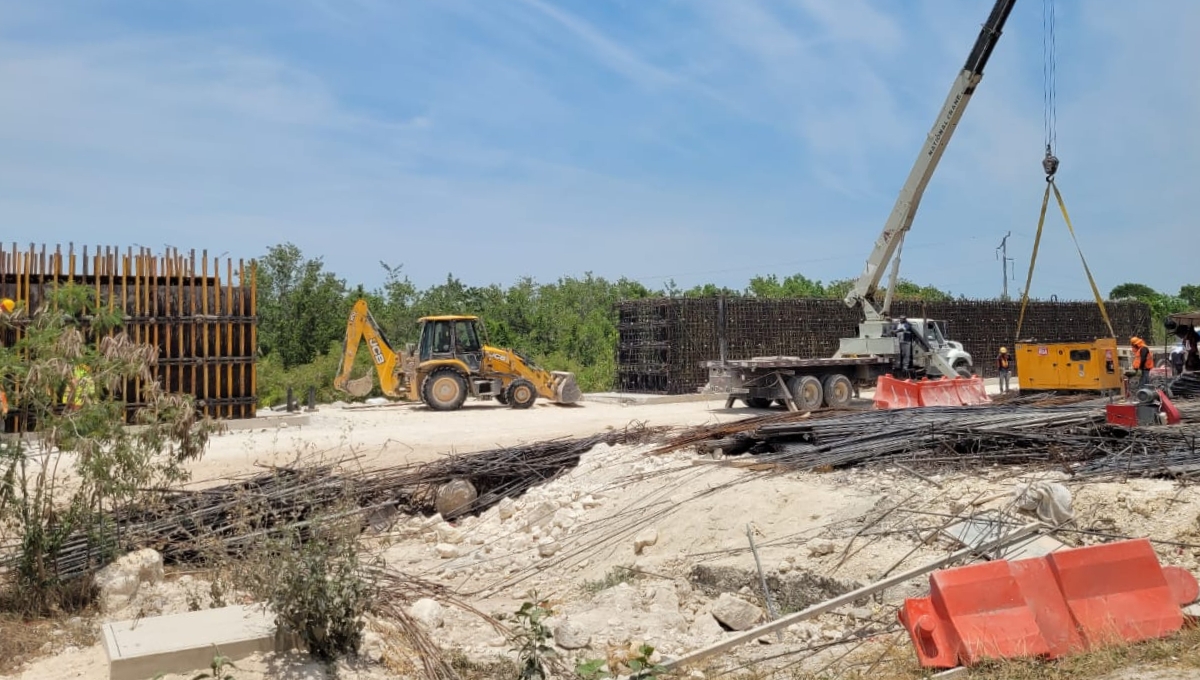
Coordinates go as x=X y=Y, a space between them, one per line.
x=1069 y=366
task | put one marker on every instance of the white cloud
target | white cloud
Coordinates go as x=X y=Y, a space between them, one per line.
x=468 y=136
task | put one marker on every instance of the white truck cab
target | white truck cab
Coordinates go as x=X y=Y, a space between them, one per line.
x=950 y=350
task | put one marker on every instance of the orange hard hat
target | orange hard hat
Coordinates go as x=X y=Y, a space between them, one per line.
x=1135 y=341
x=7 y=305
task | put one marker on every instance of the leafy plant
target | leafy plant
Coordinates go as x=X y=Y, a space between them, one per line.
x=75 y=459
x=316 y=585
x=219 y=663
x=533 y=640
x=636 y=662
x=614 y=577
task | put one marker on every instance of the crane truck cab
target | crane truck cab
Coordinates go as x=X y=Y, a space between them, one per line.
x=935 y=332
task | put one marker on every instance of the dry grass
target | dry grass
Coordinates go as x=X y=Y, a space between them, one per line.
x=1176 y=657
x=1178 y=653
x=23 y=641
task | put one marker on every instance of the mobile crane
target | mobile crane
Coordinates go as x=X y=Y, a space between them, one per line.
x=805 y=384
x=450 y=362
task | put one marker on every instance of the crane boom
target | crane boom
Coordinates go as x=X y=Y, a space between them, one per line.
x=901 y=218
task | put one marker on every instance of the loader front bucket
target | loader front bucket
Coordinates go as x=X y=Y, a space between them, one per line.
x=566 y=390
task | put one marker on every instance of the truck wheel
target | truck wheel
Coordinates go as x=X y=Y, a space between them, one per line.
x=444 y=390
x=807 y=391
x=838 y=391
x=962 y=369
x=758 y=402
x=521 y=394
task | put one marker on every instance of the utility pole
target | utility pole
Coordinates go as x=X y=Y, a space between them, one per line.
x=1002 y=255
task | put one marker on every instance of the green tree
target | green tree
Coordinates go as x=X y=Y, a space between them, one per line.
x=1161 y=304
x=710 y=290
x=1190 y=294
x=1137 y=291
x=302 y=307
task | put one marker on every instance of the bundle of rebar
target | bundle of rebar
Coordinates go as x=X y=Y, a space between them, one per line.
x=189 y=526
x=663 y=342
x=1063 y=434
x=1148 y=452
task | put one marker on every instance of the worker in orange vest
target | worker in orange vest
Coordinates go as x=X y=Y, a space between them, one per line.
x=1143 y=360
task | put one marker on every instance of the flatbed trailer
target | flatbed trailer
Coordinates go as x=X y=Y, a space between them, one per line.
x=800 y=384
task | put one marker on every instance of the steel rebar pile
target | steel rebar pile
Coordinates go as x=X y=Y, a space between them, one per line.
x=189 y=526
x=1149 y=452
x=662 y=342
x=1186 y=386
x=936 y=435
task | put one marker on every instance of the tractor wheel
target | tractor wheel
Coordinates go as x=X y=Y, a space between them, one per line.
x=502 y=396
x=521 y=394
x=444 y=390
x=807 y=391
x=758 y=402
x=839 y=391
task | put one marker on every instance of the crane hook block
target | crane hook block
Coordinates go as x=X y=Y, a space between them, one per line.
x=1050 y=165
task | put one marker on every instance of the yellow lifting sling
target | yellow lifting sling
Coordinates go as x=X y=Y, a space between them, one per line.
x=1037 y=240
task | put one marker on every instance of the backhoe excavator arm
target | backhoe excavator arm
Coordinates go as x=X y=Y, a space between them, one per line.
x=361 y=326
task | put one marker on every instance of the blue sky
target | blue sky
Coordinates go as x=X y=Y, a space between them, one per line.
x=699 y=140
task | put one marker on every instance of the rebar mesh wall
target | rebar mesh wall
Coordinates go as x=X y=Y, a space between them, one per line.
x=663 y=341
x=199 y=313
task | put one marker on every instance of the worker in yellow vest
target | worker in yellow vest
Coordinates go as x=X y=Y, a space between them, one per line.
x=80 y=388
x=6 y=306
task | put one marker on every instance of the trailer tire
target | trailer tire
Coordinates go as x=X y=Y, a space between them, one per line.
x=758 y=402
x=839 y=391
x=807 y=391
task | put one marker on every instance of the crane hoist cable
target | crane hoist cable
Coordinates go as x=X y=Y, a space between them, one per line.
x=1049 y=89
x=1050 y=166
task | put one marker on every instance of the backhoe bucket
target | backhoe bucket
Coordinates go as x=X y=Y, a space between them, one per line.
x=360 y=387
x=566 y=390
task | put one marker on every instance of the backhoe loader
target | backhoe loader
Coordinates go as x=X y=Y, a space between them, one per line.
x=447 y=364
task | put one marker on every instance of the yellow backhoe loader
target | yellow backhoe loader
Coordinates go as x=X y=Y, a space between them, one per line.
x=447 y=364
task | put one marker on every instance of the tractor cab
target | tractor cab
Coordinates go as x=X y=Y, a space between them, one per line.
x=451 y=337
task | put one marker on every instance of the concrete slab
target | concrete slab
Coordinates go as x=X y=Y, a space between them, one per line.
x=267 y=421
x=974 y=532
x=640 y=399
x=184 y=643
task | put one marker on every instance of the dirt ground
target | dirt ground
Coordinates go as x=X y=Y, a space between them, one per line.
x=630 y=547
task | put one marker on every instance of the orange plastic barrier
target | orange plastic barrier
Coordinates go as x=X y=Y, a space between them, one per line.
x=971 y=391
x=941 y=392
x=1065 y=603
x=893 y=393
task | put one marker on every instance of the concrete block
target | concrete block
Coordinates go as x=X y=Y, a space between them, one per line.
x=978 y=530
x=638 y=399
x=183 y=643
